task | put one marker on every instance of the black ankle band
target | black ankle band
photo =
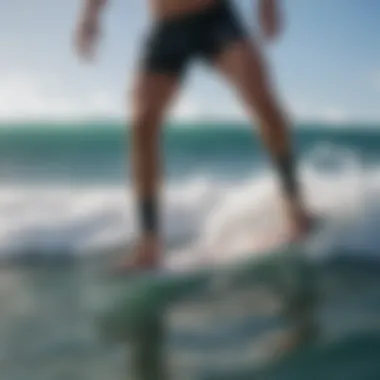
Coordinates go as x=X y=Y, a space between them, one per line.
x=286 y=169
x=148 y=216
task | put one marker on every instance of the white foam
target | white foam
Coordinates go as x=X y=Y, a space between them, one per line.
x=221 y=218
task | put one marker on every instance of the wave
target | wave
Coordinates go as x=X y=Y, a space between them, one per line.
x=200 y=212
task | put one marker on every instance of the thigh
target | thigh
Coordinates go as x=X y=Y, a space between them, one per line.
x=152 y=94
x=245 y=68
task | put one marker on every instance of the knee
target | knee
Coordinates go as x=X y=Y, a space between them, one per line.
x=260 y=95
x=151 y=96
x=146 y=118
x=146 y=111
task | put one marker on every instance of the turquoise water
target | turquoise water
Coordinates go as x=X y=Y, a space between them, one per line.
x=48 y=330
x=99 y=153
x=65 y=194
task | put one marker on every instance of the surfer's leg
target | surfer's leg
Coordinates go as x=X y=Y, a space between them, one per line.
x=151 y=98
x=160 y=72
x=226 y=45
x=243 y=65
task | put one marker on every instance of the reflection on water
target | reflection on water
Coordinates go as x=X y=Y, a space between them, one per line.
x=47 y=330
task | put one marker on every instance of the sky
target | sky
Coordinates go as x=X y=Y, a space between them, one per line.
x=326 y=64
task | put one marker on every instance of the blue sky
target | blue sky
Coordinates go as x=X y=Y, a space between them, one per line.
x=327 y=63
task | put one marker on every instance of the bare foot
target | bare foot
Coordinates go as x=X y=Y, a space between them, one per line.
x=301 y=222
x=146 y=256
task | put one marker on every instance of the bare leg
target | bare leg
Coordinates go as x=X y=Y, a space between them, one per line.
x=151 y=99
x=244 y=67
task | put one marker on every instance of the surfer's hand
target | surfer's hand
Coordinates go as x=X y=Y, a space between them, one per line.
x=86 y=37
x=270 y=19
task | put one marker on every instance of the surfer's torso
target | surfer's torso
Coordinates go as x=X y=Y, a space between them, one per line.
x=165 y=9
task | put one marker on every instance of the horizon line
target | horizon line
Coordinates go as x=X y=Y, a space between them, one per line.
x=85 y=120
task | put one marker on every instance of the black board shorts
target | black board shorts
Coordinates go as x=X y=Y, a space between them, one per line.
x=173 y=43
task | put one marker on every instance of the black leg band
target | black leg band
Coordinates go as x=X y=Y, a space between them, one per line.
x=287 y=172
x=148 y=216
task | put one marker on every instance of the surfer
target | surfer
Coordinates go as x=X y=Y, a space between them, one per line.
x=181 y=31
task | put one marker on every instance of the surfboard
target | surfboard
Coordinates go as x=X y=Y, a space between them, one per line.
x=139 y=300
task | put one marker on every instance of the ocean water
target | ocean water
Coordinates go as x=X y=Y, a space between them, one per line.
x=65 y=194
x=67 y=188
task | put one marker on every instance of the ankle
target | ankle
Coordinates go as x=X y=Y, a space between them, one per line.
x=150 y=238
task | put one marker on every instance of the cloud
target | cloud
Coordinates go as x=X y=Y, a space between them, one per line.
x=26 y=97
x=23 y=97
x=192 y=108
x=303 y=111
x=185 y=109
x=332 y=115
